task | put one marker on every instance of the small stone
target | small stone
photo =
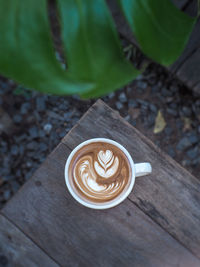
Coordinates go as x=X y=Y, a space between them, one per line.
x=173 y=89
x=142 y=85
x=169 y=99
x=153 y=108
x=196 y=161
x=193 y=153
x=15 y=186
x=122 y=97
x=171 y=151
x=24 y=108
x=21 y=149
x=7 y=195
x=179 y=124
x=150 y=120
x=143 y=103
x=8 y=178
x=173 y=105
x=172 y=112
x=155 y=89
x=166 y=92
x=68 y=115
x=22 y=137
x=47 y=128
x=152 y=81
x=183 y=144
x=40 y=103
x=62 y=134
x=133 y=122
x=168 y=130
x=28 y=175
x=139 y=77
x=33 y=132
x=32 y=145
x=193 y=138
x=18 y=173
x=17 y=118
x=14 y=150
x=187 y=111
x=197 y=103
x=43 y=147
x=41 y=158
x=111 y=95
x=132 y=103
x=41 y=133
x=29 y=164
x=119 y=105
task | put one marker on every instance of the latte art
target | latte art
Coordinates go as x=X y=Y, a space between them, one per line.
x=107 y=164
x=100 y=173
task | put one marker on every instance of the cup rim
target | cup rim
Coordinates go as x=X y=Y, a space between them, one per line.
x=104 y=205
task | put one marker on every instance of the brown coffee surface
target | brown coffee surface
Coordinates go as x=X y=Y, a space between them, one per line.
x=99 y=172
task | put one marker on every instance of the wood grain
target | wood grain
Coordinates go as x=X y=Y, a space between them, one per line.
x=18 y=250
x=192 y=44
x=197 y=88
x=170 y=196
x=77 y=236
x=189 y=72
x=122 y=236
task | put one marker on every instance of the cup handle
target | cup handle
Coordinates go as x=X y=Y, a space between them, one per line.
x=142 y=169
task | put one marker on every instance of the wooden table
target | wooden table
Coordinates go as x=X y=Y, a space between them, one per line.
x=157 y=225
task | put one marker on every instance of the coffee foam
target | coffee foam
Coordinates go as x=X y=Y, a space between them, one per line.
x=99 y=172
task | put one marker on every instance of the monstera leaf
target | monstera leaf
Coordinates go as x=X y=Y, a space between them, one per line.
x=96 y=64
x=160 y=28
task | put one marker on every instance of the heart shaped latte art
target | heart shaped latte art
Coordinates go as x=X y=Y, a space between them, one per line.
x=107 y=164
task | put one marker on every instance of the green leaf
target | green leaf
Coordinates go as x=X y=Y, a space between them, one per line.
x=162 y=30
x=92 y=46
x=26 y=50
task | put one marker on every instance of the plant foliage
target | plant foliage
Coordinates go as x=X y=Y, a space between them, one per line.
x=96 y=64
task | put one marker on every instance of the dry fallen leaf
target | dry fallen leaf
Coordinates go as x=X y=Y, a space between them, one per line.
x=160 y=123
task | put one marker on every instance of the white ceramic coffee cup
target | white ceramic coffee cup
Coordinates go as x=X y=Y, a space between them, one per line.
x=137 y=169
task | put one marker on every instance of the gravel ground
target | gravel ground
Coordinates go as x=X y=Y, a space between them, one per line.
x=31 y=124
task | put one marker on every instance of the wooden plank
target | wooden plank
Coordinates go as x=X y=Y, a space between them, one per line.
x=193 y=43
x=18 y=250
x=170 y=196
x=197 y=88
x=77 y=236
x=189 y=72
